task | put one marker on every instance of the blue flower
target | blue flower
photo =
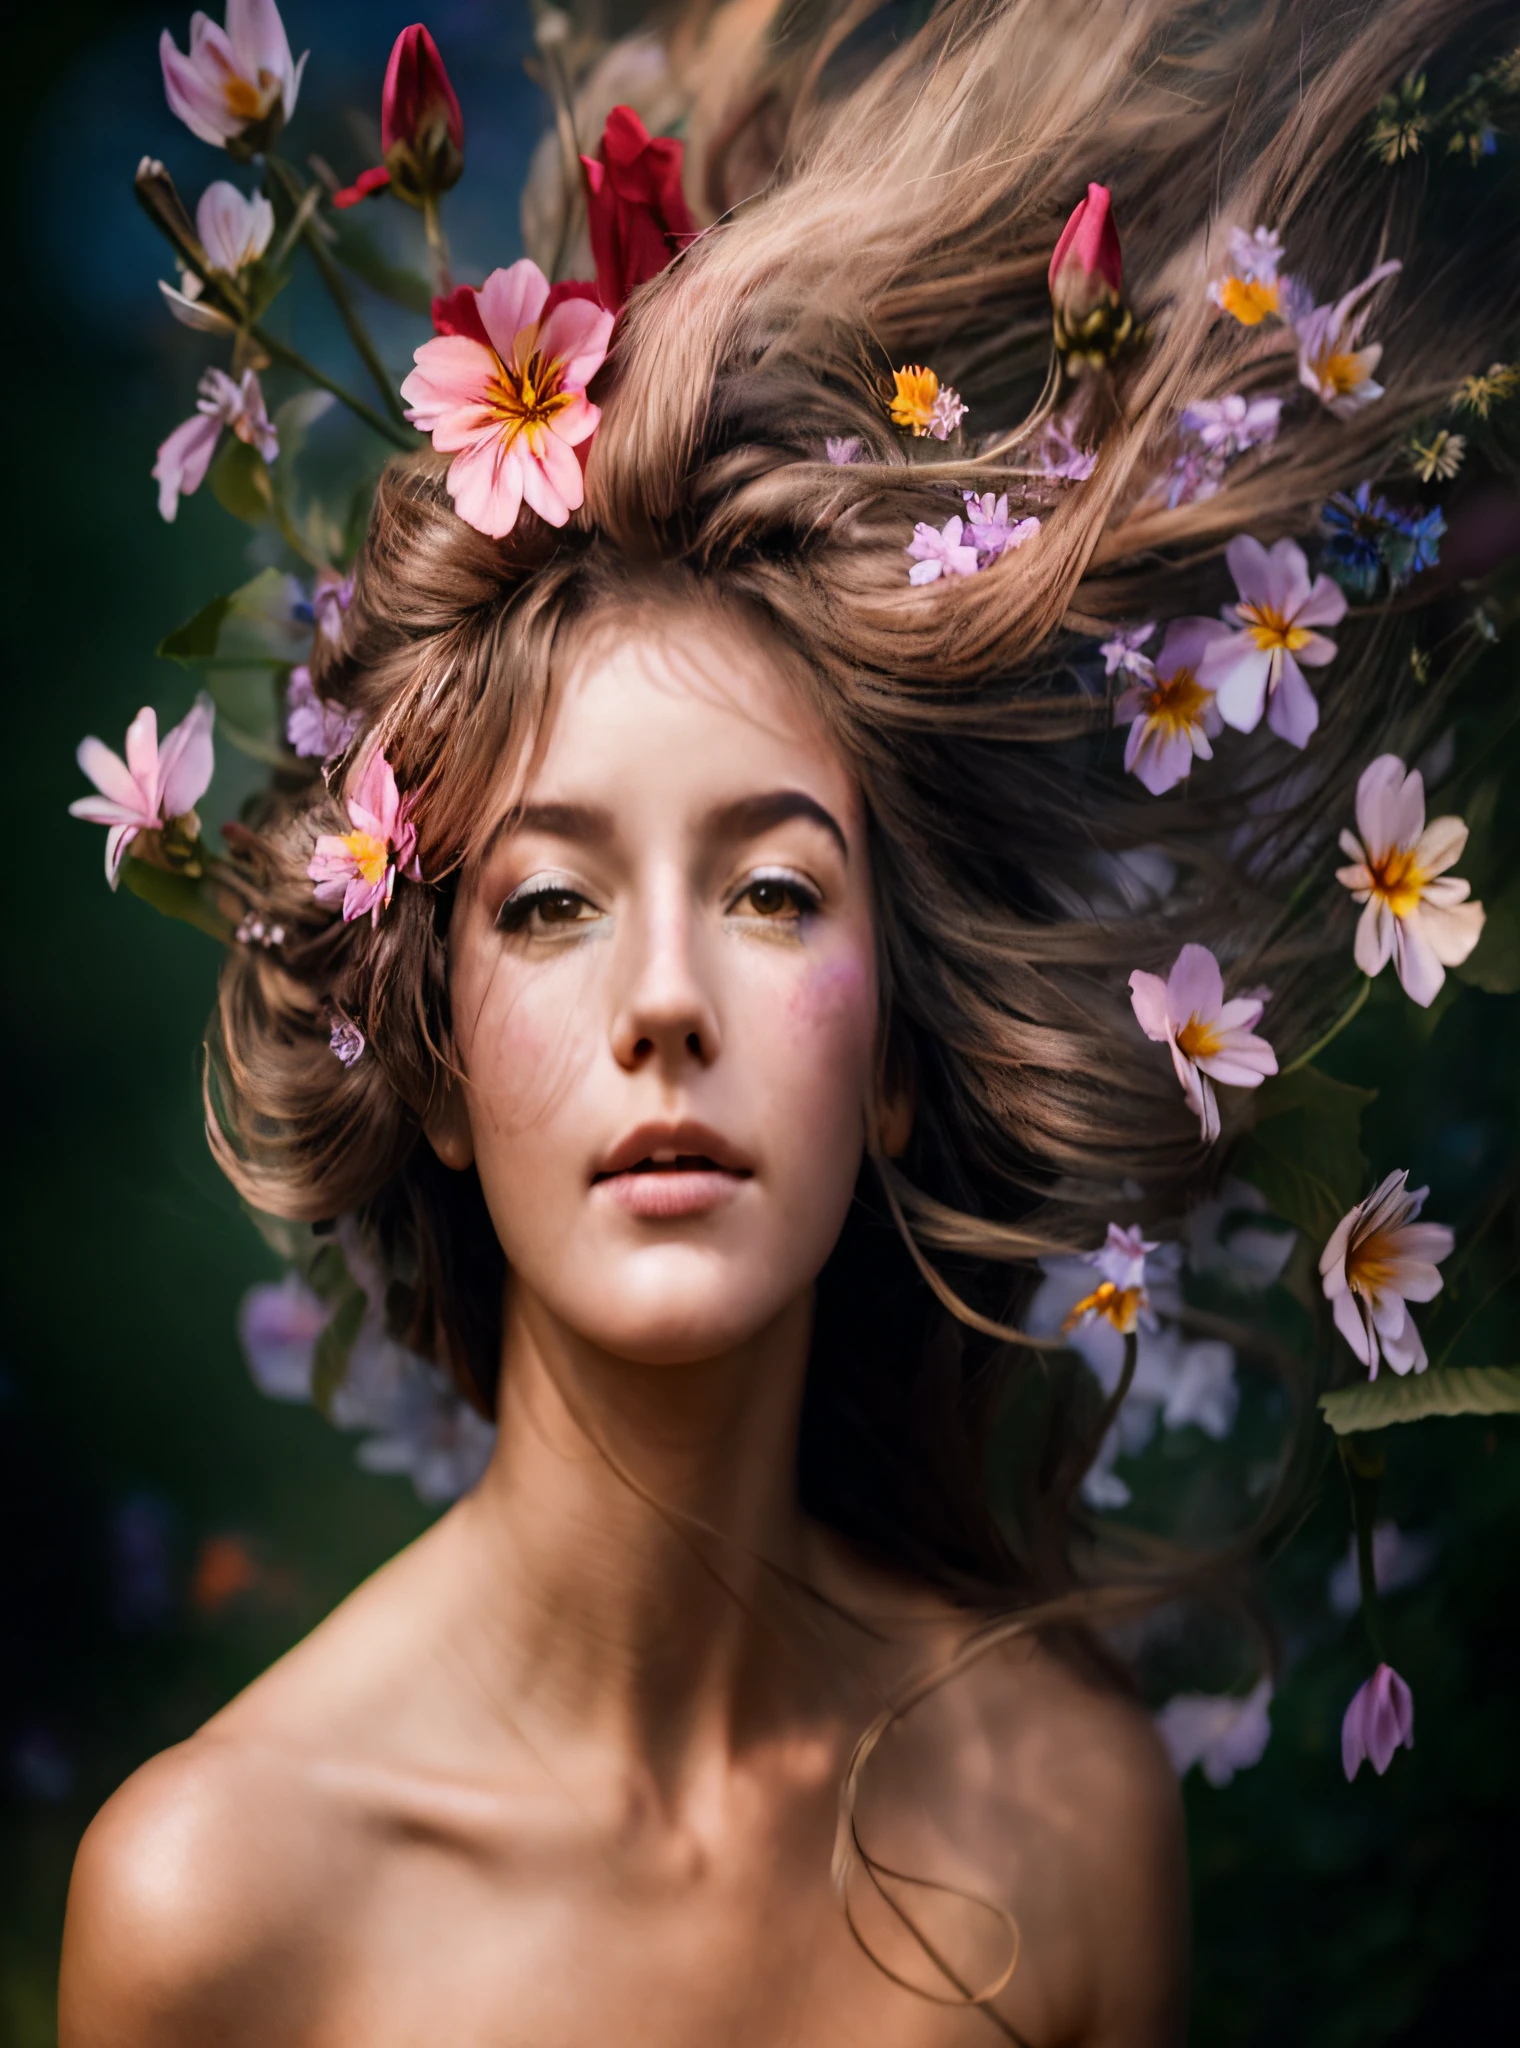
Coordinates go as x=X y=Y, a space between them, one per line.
x=1369 y=538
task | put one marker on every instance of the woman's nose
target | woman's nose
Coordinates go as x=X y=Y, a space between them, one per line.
x=665 y=1017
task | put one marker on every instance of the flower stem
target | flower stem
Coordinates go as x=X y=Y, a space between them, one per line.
x=438 y=245
x=283 y=353
x=1335 y=1030
x=1115 y=1400
x=1364 y=1465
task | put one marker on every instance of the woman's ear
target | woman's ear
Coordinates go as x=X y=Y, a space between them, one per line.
x=446 y=1123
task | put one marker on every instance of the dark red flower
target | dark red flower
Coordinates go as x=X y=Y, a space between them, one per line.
x=421 y=127
x=635 y=206
x=1087 y=263
x=459 y=312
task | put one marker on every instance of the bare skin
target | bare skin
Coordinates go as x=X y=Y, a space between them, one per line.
x=567 y=1770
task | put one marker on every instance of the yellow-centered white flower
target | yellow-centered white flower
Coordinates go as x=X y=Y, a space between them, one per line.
x=1378 y=1260
x=1414 y=911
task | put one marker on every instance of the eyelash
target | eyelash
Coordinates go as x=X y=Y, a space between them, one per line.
x=519 y=910
x=803 y=896
x=515 y=914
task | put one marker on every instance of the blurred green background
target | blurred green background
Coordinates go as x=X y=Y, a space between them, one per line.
x=169 y=1531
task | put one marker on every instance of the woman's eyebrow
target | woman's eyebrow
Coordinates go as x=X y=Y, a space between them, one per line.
x=588 y=824
x=749 y=816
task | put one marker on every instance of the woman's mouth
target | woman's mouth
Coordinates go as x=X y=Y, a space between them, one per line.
x=670 y=1180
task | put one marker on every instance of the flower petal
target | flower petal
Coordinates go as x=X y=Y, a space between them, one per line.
x=1292 y=712
x=511 y=300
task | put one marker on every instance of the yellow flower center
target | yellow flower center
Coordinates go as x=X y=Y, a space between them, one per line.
x=371 y=856
x=1340 y=370
x=1270 y=630
x=1117 y=1305
x=1369 y=1266
x=525 y=394
x=247 y=101
x=1249 y=299
x=1198 y=1039
x=1176 y=703
x=1397 y=879
x=913 y=399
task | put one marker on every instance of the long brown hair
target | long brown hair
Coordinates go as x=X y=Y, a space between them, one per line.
x=905 y=204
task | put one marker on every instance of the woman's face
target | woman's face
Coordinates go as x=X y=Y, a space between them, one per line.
x=663 y=984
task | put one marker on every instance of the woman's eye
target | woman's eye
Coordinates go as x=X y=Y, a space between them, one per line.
x=777 y=899
x=543 y=910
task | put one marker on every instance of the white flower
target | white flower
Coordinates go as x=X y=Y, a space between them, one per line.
x=1210 y=1039
x=1397 y=1561
x=1331 y=362
x=1257 y=667
x=1120 y=1297
x=235 y=82
x=1377 y=1261
x=234 y=231
x=1172 y=713
x=1223 y=1735
x=1414 y=911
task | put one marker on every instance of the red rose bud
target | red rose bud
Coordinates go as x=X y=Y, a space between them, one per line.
x=421 y=127
x=1092 y=322
x=635 y=207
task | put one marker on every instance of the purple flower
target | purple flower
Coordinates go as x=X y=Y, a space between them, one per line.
x=329 y=601
x=279 y=1323
x=1228 y=426
x=1379 y=1719
x=946 y=413
x=941 y=551
x=1257 y=667
x=1223 y=1735
x=843 y=449
x=1210 y=1039
x=1172 y=714
x=315 y=727
x=347 y=1041
x=1057 y=454
x=1122 y=655
x=990 y=529
x=184 y=457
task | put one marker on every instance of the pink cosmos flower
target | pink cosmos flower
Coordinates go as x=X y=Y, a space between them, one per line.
x=238 y=84
x=1331 y=361
x=234 y=231
x=507 y=390
x=359 y=868
x=1259 y=665
x=185 y=456
x=1210 y=1039
x=1379 y=1719
x=941 y=551
x=1414 y=911
x=1377 y=1261
x=1173 y=715
x=315 y=727
x=1122 y=656
x=153 y=785
x=989 y=528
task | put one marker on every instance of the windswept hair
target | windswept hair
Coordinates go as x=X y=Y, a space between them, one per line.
x=880 y=198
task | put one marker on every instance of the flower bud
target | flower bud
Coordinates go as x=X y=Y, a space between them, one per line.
x=1379 y=1718
x=1092 y=321
x=421 y=127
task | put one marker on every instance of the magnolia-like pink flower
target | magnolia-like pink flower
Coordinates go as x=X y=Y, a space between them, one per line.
x=153 y=785
x=506 y=389
x=421 y=127
x=185 y=456
x=1378 y=1260
x=1331 y=360
x=1414 y=911
x=941 y=551
x=1122 y=656
x=1258 y=666
x=1378 y=1721
x=1173 y=715
x=315 y=727
x=238 y=85
x=990 y=530
x=359 y=868
x=234 y=231
x=1210 y=1039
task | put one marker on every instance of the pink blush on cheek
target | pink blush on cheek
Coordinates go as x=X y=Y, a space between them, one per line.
x=836 y=990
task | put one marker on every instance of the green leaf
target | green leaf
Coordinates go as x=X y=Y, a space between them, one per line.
x=183 y=896
x=1454 y=1390
x=334 y=1345
x=1305 y=1152
x=249 y=708
x=1494 y=964
x=240 y=483
x=196 y=639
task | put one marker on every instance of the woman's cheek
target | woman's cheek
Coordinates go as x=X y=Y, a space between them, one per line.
x=831 y=1015
x=527 y=1053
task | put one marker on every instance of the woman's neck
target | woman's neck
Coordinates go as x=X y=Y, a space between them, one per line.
x=622 y=1545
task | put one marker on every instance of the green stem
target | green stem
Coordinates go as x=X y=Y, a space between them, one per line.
x=338 y=291
x=438 y=245
x=283 y=353
x=1115 y=1400
x=1335 y=1030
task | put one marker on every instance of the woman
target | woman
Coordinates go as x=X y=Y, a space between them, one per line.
x=705 y=976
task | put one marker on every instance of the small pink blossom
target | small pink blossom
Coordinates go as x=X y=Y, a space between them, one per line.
x=1378 y=1260
x=843 y=449
x=1230 y=425
x=329 y=601
x=153 y=785
x=315 y=727
x=1122 y=656
x=505 y=393
x=989 y=528
x=1194 y=478
x=1378 y=1721
x=1120 y=1298
x=1222 y=1734
x=946 y=413
x=1415 y=913
x=1257 y=666
x=1057 y=455
x=941 y=551
x=1331 y=361
x=234 y=231
x=237 y=84
x=1173 y=715
x=347 y=1041
x=1210 y=1039
x=185 y=456
x=359 y=868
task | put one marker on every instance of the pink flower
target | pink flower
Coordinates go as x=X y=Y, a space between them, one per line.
x=185 y=456
x=1210 y=1039
x=1173 y=714
x=940 y=551
x=238 y=85
x=315 y=727
x=1331 y=363
x=1087 y=268
x=989 y=528
x=1378 y=1260
x=1120 y=1298
x=330 y=599
x=347 y=1041
x=234 y=231
x=1222 y=1734
x=1379 y=1718
x=1122 y=654
x=153 y=785
x=946 y=413
x=507 y=390
x=1415 y=912
x=843 y=449
x=1259 y=665
x=1057 y=454
x=421 y=127
x=359 y=868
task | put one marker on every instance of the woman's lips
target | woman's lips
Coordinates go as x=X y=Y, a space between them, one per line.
x=685 y=1187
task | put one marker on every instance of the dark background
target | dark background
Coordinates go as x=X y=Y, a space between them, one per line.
x=166 y=1530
